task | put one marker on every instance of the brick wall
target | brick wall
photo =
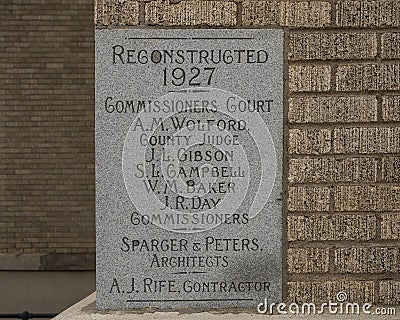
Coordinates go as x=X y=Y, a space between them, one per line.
x=343 y=141
x=46 y=127
x=341 y=114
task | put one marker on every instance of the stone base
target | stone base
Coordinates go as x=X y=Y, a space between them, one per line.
x=45 y=291
x=86 y=310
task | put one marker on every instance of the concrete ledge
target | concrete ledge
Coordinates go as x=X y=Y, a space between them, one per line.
x=86 y=310
x=48 y=262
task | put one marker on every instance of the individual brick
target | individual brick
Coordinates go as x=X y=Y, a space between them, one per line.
x=327 y=46
x=390 y=226
x=390 y=45
x=337 y=227
x=367 y=260
x=388 y=198
x=366 y=140
x=391 y=108
x=323 y=291
x=355 y=198
x=116 y=13
x=191 y=12
x=308 y=198
x=286 y=13
x=391 y=169
x=308 y=260
x=367 y=198
x=309 y=141
x=305 y=13
x=309 y=78
x=310 y=170
x=332 y=109
x=368 y=13
x=389 y=292
x=260 y=13
x=364 y=77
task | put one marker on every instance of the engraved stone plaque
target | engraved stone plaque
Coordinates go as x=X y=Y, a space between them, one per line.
x=188 y=167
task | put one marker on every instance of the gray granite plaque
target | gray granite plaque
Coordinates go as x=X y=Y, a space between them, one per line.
x=188 y=167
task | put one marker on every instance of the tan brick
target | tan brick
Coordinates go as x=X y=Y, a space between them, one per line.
x=366 y=140
x=391 y=108
x=309 y=141
x=368 y=13
x=355 y=198
x=367 y=198
x=388 y=198
x=309 y=78
x=308 y=260
x=390 y=45
x=286 y=13
x=323 y=291
x=367 y=260
x=390 y=226
x=331 y=227
x=364 y=77
x=389 y=292
x=260 y=13
x=191 y=12
x=116 y=13
x=305 y=13
x=308 y=199
x=332 y=109
x=312 y=170
x=391 y=169
x=326 y=46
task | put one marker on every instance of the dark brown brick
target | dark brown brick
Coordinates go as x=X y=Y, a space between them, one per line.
x=47 y=126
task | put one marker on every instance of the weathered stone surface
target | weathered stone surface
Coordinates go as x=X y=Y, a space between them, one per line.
x=367 y=260
x=156 y=227
x=389 y=292
x=20 y=261
x=309 y=141
x=390 y=45
x=191 y=12
x=367 y=198
x=368 y=13
x=312 y=170
x=390 y=226
x=391 y=169
x=309 y=78
x=308 y=260
x=332 y=109
x=391 y=108
x=326 y=46
x=286 y=13
x=308 y=198
x=116 y=13
x=68 y=262
x=366 y=140
x=323 y=291
x=336 y=227
x=364 y=77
